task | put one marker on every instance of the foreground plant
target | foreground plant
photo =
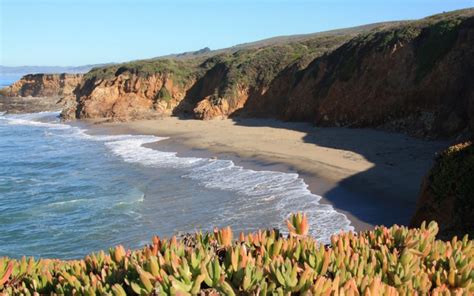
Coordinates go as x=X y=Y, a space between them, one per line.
x=384 y=261
x=298 y=224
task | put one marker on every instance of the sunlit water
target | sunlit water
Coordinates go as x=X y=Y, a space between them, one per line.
x=65 y=193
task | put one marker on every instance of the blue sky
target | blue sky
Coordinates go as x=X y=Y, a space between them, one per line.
x=53 y=32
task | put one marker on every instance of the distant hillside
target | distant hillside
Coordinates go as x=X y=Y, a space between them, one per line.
x=278 y=40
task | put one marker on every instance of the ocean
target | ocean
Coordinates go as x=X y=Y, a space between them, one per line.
x=6 y=80
x=65 y=192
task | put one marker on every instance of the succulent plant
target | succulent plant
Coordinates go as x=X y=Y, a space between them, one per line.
x=298 y=224
x=382 y=261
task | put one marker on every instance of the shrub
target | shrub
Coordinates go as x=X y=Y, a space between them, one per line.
x=435 y=42
x=384 y=261
x=163 y=95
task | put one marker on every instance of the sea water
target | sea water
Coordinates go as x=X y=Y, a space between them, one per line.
x=8 y=79
x=65 y=193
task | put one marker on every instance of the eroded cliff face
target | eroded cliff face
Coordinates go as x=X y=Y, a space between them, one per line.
x=125 y=97
x=40 y=92
x=447 y=192
x=415 y=77
x=44 y=85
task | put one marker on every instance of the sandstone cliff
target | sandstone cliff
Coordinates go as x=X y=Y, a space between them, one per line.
x=202 y=87
x=447 y=193
x=40 y=92
x=44 y=85
x=414 y=77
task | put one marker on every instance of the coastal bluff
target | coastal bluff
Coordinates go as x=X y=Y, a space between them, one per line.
x=44 y=85
x=39 y=92
x=413 y=77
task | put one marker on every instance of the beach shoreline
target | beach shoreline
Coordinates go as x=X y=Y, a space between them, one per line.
x=363 y=173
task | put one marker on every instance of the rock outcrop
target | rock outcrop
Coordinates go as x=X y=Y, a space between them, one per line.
x=126 y=96
x=447 y=192
x=44 y=85
x=18 y=105
x=40 y=92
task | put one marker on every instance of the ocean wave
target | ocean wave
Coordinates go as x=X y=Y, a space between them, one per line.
x=66 y=202
x=34 y=119
x=141 y=199
x=284 y=192
x=289 y=191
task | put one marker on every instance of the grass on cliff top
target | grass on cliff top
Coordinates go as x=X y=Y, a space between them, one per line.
x=179 y=70
x=249 y=67
x=431 y=37
x=383 y=261
x=258 y=67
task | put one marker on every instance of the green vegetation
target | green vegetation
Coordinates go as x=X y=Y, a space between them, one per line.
x=435 y=42
x=387 y=39
x=249 y=67
x=253 y=67
x=453 y=173
x=179 y=70
x=163 y=95
x=453 y=176
x=384 y=261
x=258 y=67
x=432 y=38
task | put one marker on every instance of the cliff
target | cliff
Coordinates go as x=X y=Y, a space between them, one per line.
x=204 y=87
x=447 y=192
x=412 y=77
x=44 y=85
x=39 y=92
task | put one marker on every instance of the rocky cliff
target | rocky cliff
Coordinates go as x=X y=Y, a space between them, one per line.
x=415 y=78
x=412 y=76
x=44 y=85
x=447 y=192
x=202 y=87
x=40 y=92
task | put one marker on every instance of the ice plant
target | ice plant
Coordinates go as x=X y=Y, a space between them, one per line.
x=224 y=236
x=298 y=224
x=383 y=261
x=7 y=273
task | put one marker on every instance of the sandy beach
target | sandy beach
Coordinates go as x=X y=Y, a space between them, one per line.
x=371 y=176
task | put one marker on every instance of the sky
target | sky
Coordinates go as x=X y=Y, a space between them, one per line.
x=73 y=32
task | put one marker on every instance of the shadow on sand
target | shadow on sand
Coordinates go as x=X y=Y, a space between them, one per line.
x=387 y=192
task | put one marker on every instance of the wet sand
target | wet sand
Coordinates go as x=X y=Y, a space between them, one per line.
x=371 y=176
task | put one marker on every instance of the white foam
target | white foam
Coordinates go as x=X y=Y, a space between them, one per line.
x=32 y=119
x=141 y=199
x=285 y=191
x=67 y=202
